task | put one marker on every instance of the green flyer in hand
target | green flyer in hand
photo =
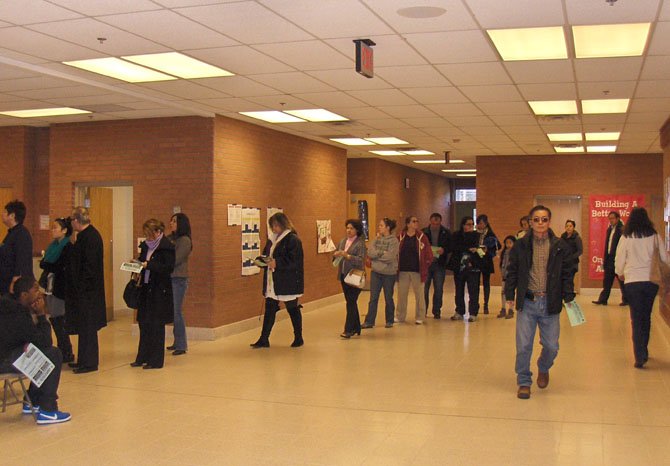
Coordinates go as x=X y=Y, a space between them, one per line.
x=575 y=313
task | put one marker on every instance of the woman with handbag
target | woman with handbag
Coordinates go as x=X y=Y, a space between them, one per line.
x=54 y=281
x=180 y=227
x=155 y=306
x=414 y=259
x=639 y=251
x=350 y=259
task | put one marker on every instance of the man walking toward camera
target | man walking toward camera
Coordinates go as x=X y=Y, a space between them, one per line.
x=611 y=242
x=539 y=271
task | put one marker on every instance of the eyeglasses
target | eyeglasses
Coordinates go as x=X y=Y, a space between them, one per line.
x=540 y=219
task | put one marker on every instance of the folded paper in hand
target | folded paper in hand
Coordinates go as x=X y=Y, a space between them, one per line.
x=34 y=365
x=132 y=266
x=575 y=313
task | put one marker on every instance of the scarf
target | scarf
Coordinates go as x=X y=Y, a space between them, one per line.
x=55 y=249
x=152 y=244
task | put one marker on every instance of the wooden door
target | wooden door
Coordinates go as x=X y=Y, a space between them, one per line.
x=102 y=217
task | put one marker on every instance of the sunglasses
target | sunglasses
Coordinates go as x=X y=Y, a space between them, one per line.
x=540 y=219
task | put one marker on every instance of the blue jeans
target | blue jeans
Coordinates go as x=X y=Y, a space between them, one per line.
x=179 y=287
x=378 y=282
x=533 y=315
x=436 y=275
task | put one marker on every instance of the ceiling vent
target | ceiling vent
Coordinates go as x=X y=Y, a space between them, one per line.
x=557 y=118
x=568 y=146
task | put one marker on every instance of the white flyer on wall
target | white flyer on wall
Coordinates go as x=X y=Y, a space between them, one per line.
x=34 y=365
x=324 y=235
x=234 y=214
x=251 y=239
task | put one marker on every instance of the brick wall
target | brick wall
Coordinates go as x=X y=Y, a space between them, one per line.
x=13 y=146
x=507 y=186
x=258 y=167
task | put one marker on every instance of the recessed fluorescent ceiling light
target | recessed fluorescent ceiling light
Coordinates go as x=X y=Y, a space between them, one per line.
x=569 y=149
x=610 y=40
x=457 y=161
x=353 y=141
x=428 y=161
x=554 y=137
x=600 y=148
x=180 y=65
x=553 y=107
x=459 y=170
x=44 y=112
x=272 y=116
x=386 y=152
x=120 y=69
x=546 y=43
x=387 y=141
x=316 y=114
x=418 y=152
x=605 y=106
x=466 y=174
x=603 y=136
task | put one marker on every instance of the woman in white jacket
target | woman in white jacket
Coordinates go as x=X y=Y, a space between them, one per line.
x=633 y=263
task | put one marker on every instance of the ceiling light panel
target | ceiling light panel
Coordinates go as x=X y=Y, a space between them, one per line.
x=559 y=137
x=554 y=107
x=429 y=161
x=610 y=40
x=466 y=174
x=44 y=112
x=546 y=43
x=180 y=65
x=418 y=152
x=272 y=116
x=386 y=152
x=120 y=69
x=592 y=149
x=613 y=136
x=569 y=150
x=386 y=141
x=353 y=141
x=316 y=114
x=459 y=170
x=605 y=106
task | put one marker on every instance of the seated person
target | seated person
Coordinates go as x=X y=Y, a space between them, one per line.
x=23 y=320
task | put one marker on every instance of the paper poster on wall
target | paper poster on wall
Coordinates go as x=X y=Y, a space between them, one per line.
x=251 y=239
x=234 y=214
x=44 y=222
x=270 y=213
x=599 y=208
x=324 y=235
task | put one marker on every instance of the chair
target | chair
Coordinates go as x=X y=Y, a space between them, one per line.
x=10 y=379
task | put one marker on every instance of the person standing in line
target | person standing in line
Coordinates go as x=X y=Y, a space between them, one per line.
x=180 y=235
x=634 y=260
x=612 y=238
x=539 y=273
x=16 y=250
x=440 y=238
x=155 y=304
x=488 y=242
x=524 y=224
x=87 y=313
x=414 y=259
x=466 y=263
x=383 y=253
x=54 y=281
x=573 y=239
x=283 y=278
x=350 y=254
x=508 y=244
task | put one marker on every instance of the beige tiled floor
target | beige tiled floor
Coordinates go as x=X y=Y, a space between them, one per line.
x=438 y=394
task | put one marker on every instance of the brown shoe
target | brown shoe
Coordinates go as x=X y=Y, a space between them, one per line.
x=543 y=379
x=523 y=392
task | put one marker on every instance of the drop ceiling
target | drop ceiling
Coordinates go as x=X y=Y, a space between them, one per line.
x=439 y=82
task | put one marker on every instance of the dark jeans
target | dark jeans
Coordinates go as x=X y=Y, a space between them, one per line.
x=471 y=279
x=45 y=396
x=486 y=284
x=378 y=282
x=62 y=337
x=641 y=297
x=88 y=352
x=179 y=287
x=352 y=324
x=436 y=275
x=608 y=281
x=151 y=349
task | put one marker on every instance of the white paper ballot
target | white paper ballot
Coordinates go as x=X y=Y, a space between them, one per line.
x=575 y=313
x=34 y=365
x=132 y=266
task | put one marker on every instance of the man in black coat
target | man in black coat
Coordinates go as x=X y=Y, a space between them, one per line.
x=87 y=297
x=16 y=250
x=23 y=321
x=440 y=240
x=611 y=241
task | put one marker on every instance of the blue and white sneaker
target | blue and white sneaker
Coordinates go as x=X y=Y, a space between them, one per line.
x=52 y=417
x=26 y=408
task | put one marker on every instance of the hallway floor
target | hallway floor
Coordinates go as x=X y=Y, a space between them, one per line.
x=442 y=393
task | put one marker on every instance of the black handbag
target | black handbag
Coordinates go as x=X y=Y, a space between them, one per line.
x=131 y=294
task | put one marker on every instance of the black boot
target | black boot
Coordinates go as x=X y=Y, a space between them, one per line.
x=271 y=308
x=296 y=320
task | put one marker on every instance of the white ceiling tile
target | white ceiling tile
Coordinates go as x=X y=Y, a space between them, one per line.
x=467 y=121
x=436 y=95
x=471 y=74
x=606 y=90
x=274 y=102
x=497 y=93
x=347 y=80
x=655 y=118
x=13 y=72
x=330 y=18
x=505 y=108
x=660 y=41
x=526 y=13
x=561 y=126
x=650 y=105
x=656 y=88
x=656 y=67
x=267 y=27
x=153 y=113
x=240 y=60
x=292 y=83
x=384 y=123
x=37 y=83
x=169 y=29
x=86 y=31
x=33 y=11
x=603 y=69
x=238 y=86
x=642 y=127
x=427 y=122
x=378 y=97
x=391 y=50
x=412 y=76
x=604 y=119
x=543 y=71
x=665 y=12
x=307 y=55
x=62 y=92
x=456 y=16
x=597 y=12
x=10 y=98
x=602 y=127
x=185 y=3
x=234 y=104
x=407 y=111
x=364 y=113
x=553 y=91
x=524 y=132
x=89 y=8
x=105 y=99
x=478 y=48
x=330 y=100
x=448 y=110
x=185 y=89
x=630 y=135
x=488 y=134
x=40 y=45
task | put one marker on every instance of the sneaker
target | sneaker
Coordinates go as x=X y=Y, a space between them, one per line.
x=26 y=408
x=52 y=417
x=456 y=316
x=398 y=321
x=388 y=325
x=472 y=318
x=418 y=322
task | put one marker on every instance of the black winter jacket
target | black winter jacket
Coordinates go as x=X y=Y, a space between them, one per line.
x=559 y=276
x=443 y=241
x=17 y=328
x=60 y=271
x=156 y=303
x=289 y=275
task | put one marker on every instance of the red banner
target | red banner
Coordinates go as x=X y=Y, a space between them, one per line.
x=599 y=208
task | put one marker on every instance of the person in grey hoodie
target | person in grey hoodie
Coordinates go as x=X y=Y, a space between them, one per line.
x=383 y=253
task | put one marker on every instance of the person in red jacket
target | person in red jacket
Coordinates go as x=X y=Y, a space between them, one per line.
x=414 y=259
